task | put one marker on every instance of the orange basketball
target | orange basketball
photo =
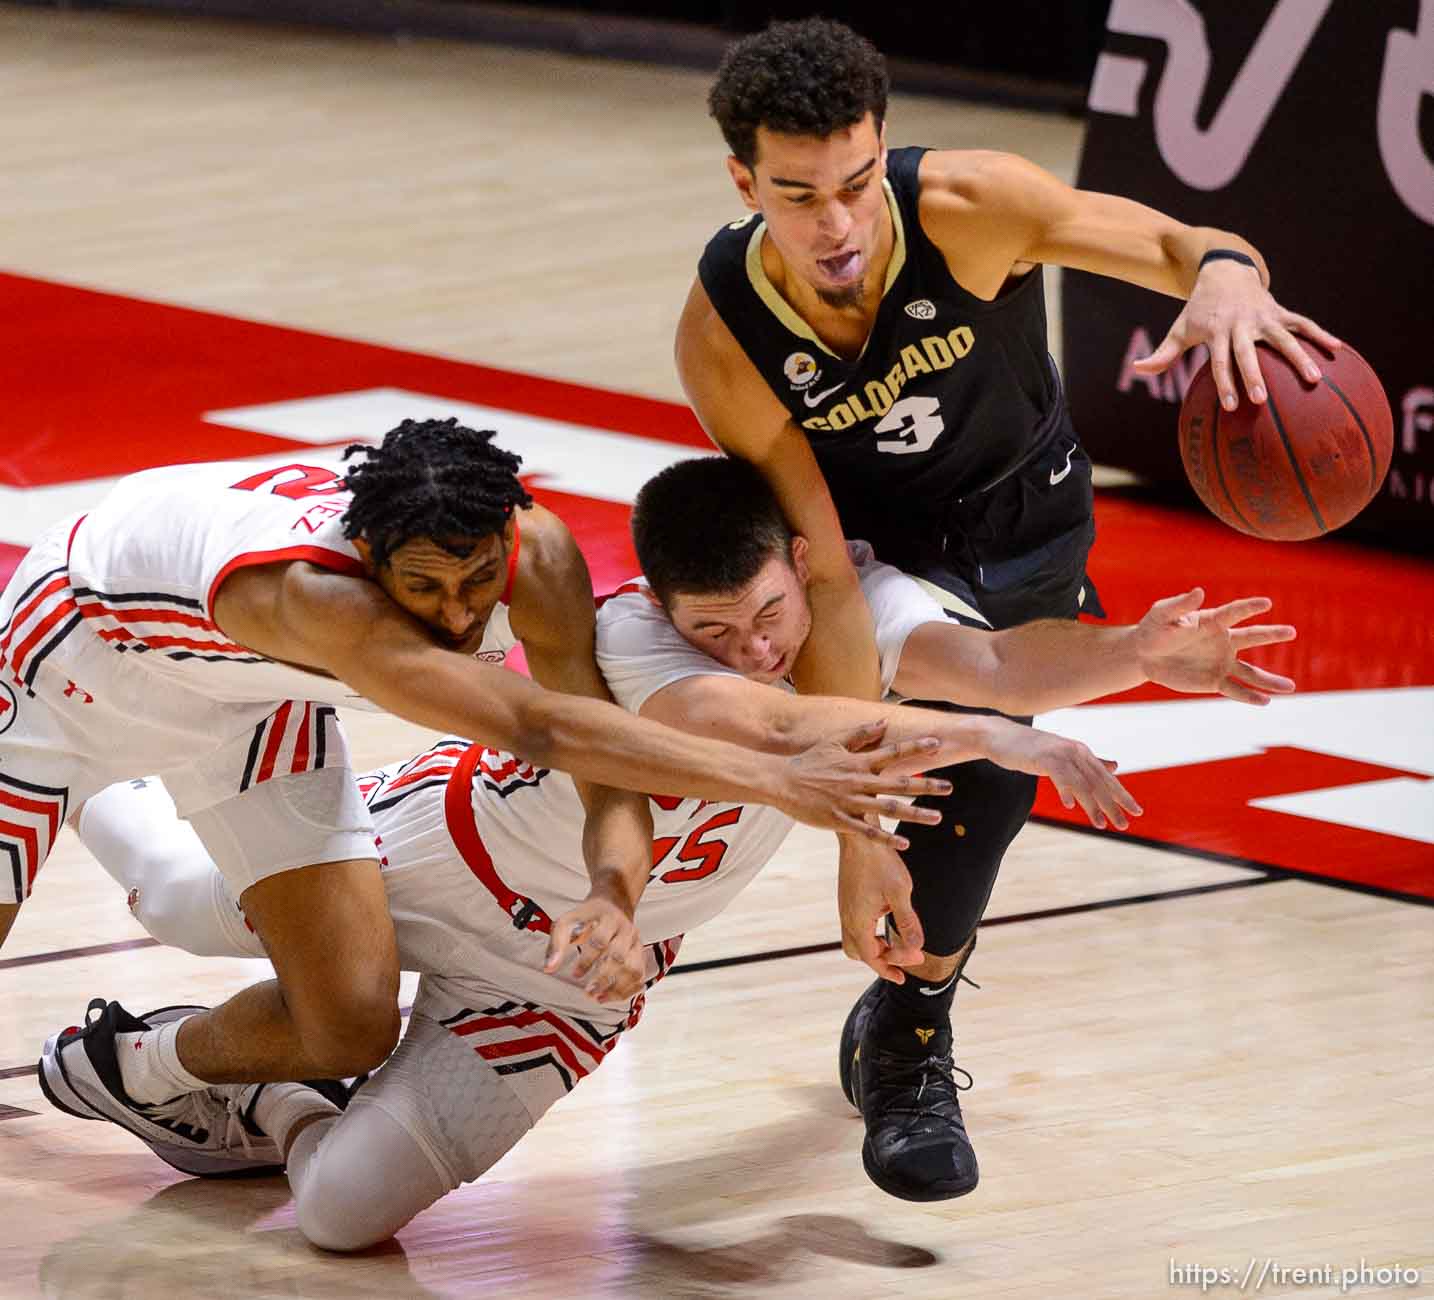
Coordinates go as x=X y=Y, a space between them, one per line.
x=1303 y=462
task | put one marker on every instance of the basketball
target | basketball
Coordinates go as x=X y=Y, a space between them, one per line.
x=1305 y=461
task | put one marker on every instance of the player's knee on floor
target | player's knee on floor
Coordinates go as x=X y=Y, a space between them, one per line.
x=357 y=1180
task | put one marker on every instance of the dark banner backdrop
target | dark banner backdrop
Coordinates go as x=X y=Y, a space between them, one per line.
x=1308 y=127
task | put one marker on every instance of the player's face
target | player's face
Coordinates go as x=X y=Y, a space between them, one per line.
x=824 y=204
x=758 y=630
x=454 y=595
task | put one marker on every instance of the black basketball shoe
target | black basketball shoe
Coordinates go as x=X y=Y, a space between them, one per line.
x=902 y=1079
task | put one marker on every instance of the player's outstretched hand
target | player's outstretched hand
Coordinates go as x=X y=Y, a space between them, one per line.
x=1077 y=774
x=837 y=783
x=610 y=961
x=1230 y=311
x=872 y=884
x=1198 y=650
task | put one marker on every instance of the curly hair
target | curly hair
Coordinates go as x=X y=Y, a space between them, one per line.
x=706 y=526
x=810 y=77
x=434 y=479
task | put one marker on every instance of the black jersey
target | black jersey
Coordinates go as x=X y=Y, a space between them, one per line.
x=950 y=395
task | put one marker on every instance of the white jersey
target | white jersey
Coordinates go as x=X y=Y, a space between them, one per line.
x=640 y=652
x=147 y=562
x=481 y=851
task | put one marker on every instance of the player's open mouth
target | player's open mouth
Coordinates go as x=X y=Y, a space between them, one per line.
x=777 y=668
x=843 y=268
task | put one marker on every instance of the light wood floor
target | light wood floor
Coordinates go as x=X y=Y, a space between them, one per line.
x=1201 y=1080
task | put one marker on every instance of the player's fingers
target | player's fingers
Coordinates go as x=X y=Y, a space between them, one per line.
x=1124 y=800
x=911 y=938
x=1303 y=325
x=862 y=945
x=1247 y=638
x=1105 y=794
x=880 y=961
x=1184 y=603
x=1262 y=679
x=1090 y=807
x=908 y=812
x=1171 y=346
x=1234 y=690
x=1220 y=371
x=877 y=834
x=1247 y=361
x=1239 y=610
x=865 y=736
x=565 y=934
x=1294 y=352
x=904 y=757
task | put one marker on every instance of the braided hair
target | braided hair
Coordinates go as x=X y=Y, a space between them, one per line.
x=434 y=479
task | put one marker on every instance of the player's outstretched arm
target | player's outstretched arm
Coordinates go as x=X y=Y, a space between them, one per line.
x=1022 y=214
x=734 y=708
x=1053 y=663
x=347 y=627
x=595 y=944
x=743 y=417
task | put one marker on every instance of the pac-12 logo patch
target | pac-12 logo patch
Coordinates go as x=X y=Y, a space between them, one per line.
x=801 y=370
x=8 y=708
x=921 y=309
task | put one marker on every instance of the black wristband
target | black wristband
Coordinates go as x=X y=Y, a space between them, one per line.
x=1228 y=254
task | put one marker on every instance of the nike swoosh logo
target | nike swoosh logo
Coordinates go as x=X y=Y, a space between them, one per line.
x=931 y=993
x=1056 y=477
x=811 y=399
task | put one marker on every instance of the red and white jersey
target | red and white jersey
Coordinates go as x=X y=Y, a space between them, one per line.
x=481 y=852
x=146 y=563
x=640 y=652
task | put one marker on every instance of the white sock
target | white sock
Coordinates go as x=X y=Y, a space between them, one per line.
x=282 y=1105
x=149 y=1065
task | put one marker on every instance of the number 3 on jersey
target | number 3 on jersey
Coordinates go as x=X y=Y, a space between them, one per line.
x=913 y=424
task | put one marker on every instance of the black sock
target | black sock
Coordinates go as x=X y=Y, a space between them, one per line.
x=923 y=1002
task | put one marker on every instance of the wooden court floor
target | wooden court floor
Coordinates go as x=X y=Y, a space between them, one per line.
x=1180 y=1064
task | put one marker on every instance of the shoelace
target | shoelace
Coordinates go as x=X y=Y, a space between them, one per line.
x=207 y=1112
x=234 y=1123
x=191 y=1110
x=925 y=1070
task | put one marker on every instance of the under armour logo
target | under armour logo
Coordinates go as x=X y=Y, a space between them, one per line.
x=72 y=689
x=923 y=1034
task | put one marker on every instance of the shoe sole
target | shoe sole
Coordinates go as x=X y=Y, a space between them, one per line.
x=56 y=1086
x=55 y=1083
x=904 y=1193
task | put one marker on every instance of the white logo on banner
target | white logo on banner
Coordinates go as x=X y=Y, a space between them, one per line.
x=1210 y=157
x=1408 y=78
x=1205 y=158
